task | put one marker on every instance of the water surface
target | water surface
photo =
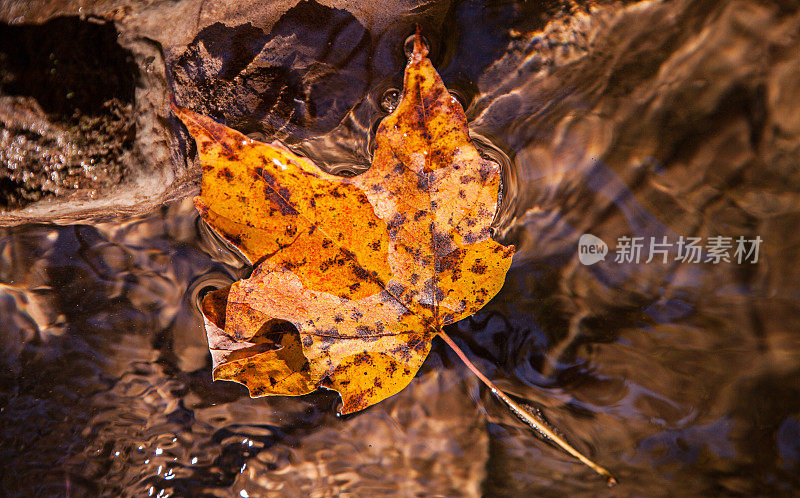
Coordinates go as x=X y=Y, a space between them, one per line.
x=641 y=120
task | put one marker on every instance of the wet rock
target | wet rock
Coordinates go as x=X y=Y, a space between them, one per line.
x=81 y=131
x=65 y=109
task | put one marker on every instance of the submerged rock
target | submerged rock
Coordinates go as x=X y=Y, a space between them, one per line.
x=81 y=129
x=65 y=110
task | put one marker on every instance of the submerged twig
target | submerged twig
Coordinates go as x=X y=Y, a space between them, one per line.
x=527 y=417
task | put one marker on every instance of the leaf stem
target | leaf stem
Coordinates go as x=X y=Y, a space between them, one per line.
x=527 y=417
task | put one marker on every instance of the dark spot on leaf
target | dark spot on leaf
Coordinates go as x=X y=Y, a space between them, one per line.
x=265 y=175
x=281 y=199
x=366 y=333
x=423 y=181
x=359 y=272
x=485 y=170
x=228 y=153
x=225 y=173
x=328 y=338
x=362 y=359
x=442 y=243
x=416 y=343
x=451 y=261
x=396 y=289
x=478 y=267
x=403 y=351
x=398 y=220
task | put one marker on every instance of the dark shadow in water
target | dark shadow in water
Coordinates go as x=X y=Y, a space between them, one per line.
x=299 y=79
x=68 y=65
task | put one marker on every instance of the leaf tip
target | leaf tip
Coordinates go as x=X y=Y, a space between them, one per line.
x=179 y=111
x=420 y=49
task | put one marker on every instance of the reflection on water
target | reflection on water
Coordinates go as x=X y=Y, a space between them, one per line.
x=649 y=120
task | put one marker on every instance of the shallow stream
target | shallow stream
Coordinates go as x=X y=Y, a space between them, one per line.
x=657 y=120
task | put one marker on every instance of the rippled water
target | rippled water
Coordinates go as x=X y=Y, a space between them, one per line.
x=648 y=119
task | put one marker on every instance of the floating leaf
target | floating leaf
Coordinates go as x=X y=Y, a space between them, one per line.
x=353 y=276
x=368 y=269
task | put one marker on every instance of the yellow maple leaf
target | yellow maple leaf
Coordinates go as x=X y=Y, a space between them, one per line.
x=367 y=269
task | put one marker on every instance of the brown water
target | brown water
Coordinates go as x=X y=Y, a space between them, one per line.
x=648 y=120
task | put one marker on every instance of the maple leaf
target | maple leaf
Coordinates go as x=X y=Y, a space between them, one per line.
x=368 y=269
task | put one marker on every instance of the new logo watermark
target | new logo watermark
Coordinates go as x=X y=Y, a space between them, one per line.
x=714 y=250
x=591 y=249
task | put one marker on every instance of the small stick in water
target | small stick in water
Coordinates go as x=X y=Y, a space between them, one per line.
x=527 y=417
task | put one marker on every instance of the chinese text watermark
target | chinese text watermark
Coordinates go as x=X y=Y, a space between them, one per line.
x=714 y=250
